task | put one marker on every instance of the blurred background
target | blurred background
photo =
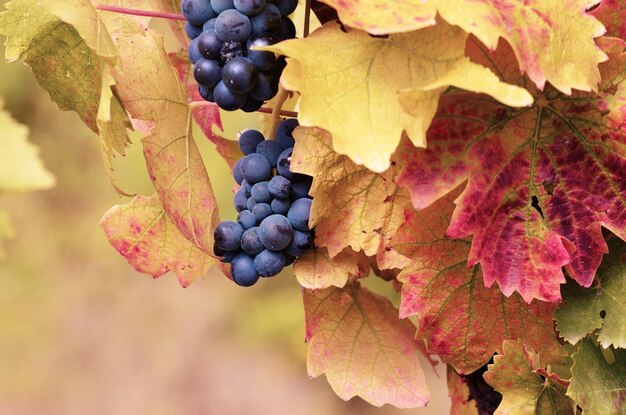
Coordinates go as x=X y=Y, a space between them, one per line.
x=82 y=333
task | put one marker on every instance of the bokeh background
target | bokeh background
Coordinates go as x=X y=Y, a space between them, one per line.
x=82 y=333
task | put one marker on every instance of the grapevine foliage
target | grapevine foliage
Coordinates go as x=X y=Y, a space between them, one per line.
x=449 y=144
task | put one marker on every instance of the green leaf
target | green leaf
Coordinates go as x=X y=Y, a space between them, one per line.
x=601 y=307
x=597 y=386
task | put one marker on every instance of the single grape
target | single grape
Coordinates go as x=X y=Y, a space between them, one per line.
x=246 y=219
x=192 y=30
x=228 y=100
x=284 y=133
x=255 y=168
x=228 y=256
x=247 y=187
x=279 y=187
x=284 y=164
x=239 y=75
x=269 y=263
x=220 y=5
x=260 y=193
x=232 y=25
x=275 y=232
x=299 y=213
x=301 y=187
x=206 y=93
x=280 y=206
x=248 y=140
x=250 y=204
x=265 y=87
x=209 y=45
x=210 y=24
x=197 y=11
x=263 y=60
x=301 y=243
x=251 y=243
x=250 y=7
x=251 y=105
x=231 y=50
x=217 y=251
x=237 y=173
x=193 y=52
x=286 y=7
x=207 y=72
x=241 y=199
x=271 y=150
x=287 y=29
x=227 y=235
x=261 y=211
x=289 y=259
x=243 y=270
x=267 y=21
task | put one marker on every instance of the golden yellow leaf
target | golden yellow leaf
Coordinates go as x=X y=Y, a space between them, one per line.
x=316 y=269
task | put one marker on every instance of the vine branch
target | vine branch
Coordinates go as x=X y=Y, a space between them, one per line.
x=265 y=110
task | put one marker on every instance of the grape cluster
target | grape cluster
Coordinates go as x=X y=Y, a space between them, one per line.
x=222 y=33
x=272 y=227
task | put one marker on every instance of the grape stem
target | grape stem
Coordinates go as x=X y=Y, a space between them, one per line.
x=135 y=12
x=281 y=97
x=307 y=19
x=265 y=110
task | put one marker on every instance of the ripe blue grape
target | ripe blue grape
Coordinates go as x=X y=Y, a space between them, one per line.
x=301 y=187
x=265 y=88
x=250 y=7
x=269 y=263
x=206 y=93
x=193 y=52
x=248 y=140
x=288 y=259
x=256 y=168
x=271 y=150
x=237 y=173
x=250 y=242
x=197 y=11
x=221 y=5
x=280 y=206
x=284 y=165
x=243 y=270
x=261 y=211
x=267 y=21
x=210 y=24
x=275 y=232
x=286 y=7
x=287 y=29
x=299 y=213
x=284 y=133
x=239 y=75
x=263 y=60
x=232 y=25
x=301 y=243
x=209 y=45
x=246 y=219
x=227 y=99
x=227 y=235
x=247 y=187
x=229 y=255
x=251 y=105
x=260 y=194
x=279 y=187
x=241 y=199
x=207 y=72
x=250 y=204
x=192 y=30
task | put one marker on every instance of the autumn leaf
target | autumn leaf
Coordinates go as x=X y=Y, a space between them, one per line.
x=144 y=235
x=461 y=320
x=317 y=270
x=459 y=394
x=553 y=40
x=352 y=206
x=525 y=391
x=346 y=87
x=612 y=14
x=601 y=307
x=357 y=340
x=541 y=180
x=598 y=386
x=148 y=86
x=6 y=232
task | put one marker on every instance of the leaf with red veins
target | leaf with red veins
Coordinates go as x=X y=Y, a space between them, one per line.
x=352 y=206
x=461 y=320
x=316 y=269
x=612 y=14
x=541 y=181
x=357 y=340
x=143 y=234
x=206 y=116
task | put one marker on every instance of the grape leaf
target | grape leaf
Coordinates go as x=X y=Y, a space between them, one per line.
x=525 y=391
x=462 y=321
x=144 y=235
x=612 y=14
x=601 y=307
x=346 y=88
x=316 y=269
x=357 y=340
x=552 y=39
x=70 y=53
x=597 y=386
x=459 y=394
x=148 y=86
x=352 y=206
x=541 y=180
x=6 y=232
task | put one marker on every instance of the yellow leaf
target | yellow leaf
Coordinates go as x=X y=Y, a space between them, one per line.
x=350 y=84
x=6 y=231
x=316 y=269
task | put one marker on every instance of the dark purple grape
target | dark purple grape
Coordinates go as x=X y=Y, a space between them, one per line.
x=247 y=187
x=232 y=25
x=265 y=87
x=279 y=187
x=221 y=5
x=251 y=203
x=193 y=52
x=269 y=263
x=267 y=21
x=271 y=150
x=289 y=259
x=250 y=7
x=241 y=199
x=209 y=45
x=210 y=24
x=287 y=29
x=243 y=270
x=206 y=93
x=255 y=168
x=239 y=75
x=275 y=232
x=207 y=72
x=228 y=235
x=261 y=211
x=263 y=60
x=299 y=214
x=284 y=165
x=284 y=133
x=280 y=206
x=301 y=242
x=286 y=7
x=301 y=187
x=251 y=105
x=228 y=100
x=197 y=11
x=192 y=30
x=248 y=140
x=260 y=194
x=251 y=243
x=237 y=173
x=246 y=219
